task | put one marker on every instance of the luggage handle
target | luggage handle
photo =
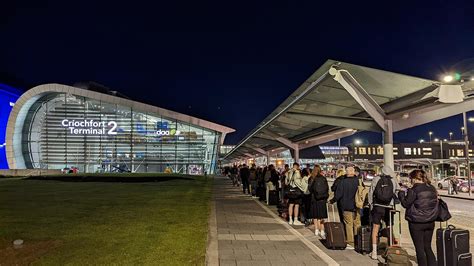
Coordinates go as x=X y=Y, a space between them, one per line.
x=333 y=212
x=395 y=211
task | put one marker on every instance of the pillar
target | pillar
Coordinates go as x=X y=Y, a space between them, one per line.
x=388 y=145
x=297 y=154
x=268 y=158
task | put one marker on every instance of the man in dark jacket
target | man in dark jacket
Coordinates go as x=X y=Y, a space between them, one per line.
x=244 y=175
x=345 y=194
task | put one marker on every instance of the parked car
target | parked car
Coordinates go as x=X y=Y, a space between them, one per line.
x=464 y=187
x=444 y=183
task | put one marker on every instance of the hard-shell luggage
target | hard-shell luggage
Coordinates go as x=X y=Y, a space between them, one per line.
x=395 y=254
x=273 y=197
x=261 y=193
x=452 y=245
x=335 y=235
x=364 y=240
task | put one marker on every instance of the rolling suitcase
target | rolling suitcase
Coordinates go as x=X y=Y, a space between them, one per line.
x=273 y=197
x=395 y=254
x=452 y=246
x=335 y=235
x=364 y=240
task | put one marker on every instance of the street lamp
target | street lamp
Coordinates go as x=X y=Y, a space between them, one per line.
x=430 y=133
x=450 y=135
x=448 y=78
x=357 y=142
x=421 y=140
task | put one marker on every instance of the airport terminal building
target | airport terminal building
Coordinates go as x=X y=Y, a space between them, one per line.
x=56 y=126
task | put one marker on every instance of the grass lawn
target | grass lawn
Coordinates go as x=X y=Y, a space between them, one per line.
x=90 y=223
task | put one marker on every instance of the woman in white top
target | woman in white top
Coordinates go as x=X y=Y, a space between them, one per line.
x=297 y=185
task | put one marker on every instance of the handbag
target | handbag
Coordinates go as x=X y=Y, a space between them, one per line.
x=294 y=192
x=443 y=211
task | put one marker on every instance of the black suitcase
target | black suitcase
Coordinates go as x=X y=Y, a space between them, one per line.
x=261 y=193
x=452 y=246
x=364 y=240
x=273 y=196
x=335 y=235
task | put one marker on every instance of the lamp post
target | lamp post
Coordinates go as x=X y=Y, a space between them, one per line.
x=441 y=153
x=430 y=133
x=466 y=150
x=450 y=135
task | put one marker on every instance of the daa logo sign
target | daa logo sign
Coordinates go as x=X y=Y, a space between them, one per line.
x=163 y=130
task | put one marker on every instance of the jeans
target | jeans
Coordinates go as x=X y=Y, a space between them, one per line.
x=245 y=185
x=352 y=222
x=422 y=234
x=270 y=186
x=253 y=187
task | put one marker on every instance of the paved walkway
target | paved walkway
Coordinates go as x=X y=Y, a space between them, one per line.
x=246 y=232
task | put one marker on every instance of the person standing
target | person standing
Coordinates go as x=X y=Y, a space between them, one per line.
x=244 y=176
x=454 y=185
x=345 y=193
x=282 y=182
x=339 y=176
x=296 y=186
x=381 y=200
x=319 y=189
x=421 y=203
x=253 y=180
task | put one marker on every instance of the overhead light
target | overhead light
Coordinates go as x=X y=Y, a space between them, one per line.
x=406 y=116
x=471 y=119
x=448 y=78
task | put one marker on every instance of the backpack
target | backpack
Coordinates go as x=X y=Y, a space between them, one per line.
x=383 y=193
x=253 y=174
x=361 y=195
x=320 y=190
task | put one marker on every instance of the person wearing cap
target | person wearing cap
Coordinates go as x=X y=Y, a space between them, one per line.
x=380 y=210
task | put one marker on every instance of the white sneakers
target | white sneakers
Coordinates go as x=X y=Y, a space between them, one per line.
x=297 y=223
x=373 y=255
x=349 y=247
x=290 y=221
x=322 y=234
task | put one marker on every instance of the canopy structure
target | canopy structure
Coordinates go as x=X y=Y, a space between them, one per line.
x=340 y=99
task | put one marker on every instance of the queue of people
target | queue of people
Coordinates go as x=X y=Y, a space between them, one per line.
x=304 y=196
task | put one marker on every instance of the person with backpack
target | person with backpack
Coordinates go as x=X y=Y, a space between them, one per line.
x=296 y=186
x=345 y=194
x=244 y=176
x=319 y=189
x=253 y=180
x=381 y=200
x=421 y=204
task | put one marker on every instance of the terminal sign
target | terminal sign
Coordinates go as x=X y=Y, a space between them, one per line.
x=90 y=127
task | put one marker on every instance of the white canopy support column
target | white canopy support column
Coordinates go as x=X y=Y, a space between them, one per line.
x=388 y=145
x=297 y=153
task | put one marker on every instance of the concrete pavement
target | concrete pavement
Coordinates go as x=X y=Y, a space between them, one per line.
x=250 y=233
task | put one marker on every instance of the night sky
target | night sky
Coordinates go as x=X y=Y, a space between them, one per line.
x=230 y=62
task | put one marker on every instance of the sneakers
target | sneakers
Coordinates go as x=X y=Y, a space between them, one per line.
x=349 y=247
x=297 y=223
x=316 y=232
x=322 y=234
x=290 y=221
x=373 y=255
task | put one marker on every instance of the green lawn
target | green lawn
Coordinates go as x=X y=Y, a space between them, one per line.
x=104 y=223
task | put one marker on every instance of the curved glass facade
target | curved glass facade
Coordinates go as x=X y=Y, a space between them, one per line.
x=63 y=130
x=8 y=97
